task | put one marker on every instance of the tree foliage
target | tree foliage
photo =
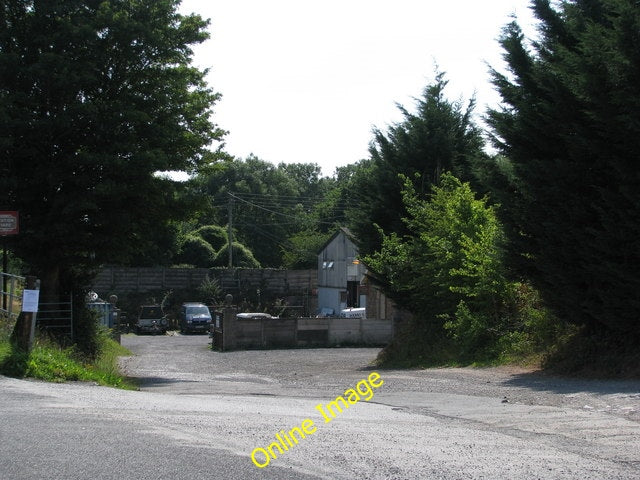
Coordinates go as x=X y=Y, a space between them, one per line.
x=214 y=235
x=270 y=204
x=302 y=250
x=569 y=130
x=448 y=268
x=440 y=136
x=96 y=97
x=197 y=251
x=242 y=256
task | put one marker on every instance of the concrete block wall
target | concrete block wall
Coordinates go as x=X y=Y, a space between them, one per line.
x=307 y=332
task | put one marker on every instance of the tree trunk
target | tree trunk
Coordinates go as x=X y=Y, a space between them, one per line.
x=21 y=335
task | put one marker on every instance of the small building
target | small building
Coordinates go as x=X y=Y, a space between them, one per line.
x=357 y=311
x=340 y=275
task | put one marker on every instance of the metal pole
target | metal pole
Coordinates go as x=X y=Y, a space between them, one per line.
x=12 y=292
x=230 y=234
x=71 y=318
x=35 y=284
x=4 y=272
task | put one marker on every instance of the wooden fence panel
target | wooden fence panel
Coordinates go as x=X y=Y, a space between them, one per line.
x=122 y=280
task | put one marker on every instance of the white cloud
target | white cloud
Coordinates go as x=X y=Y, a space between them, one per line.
x=306 y=81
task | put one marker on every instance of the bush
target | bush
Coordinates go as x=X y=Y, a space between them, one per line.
x=197 y=252
x=85 y=328
x=448 y=270
x=449 y=273
x=242 y=257
x=214 y=235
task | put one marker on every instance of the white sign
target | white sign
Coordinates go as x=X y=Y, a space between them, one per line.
x=30 y=300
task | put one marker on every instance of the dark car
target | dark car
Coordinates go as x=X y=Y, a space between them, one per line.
x=195 y=318
x=151 y=319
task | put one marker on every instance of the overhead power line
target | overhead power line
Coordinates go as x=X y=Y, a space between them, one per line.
x=274 y=212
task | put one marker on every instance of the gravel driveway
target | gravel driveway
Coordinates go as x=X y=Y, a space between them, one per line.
x=477 y=423
x=186 y=364
x=203 y=414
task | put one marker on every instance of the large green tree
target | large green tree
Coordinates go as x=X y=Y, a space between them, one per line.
x=448 y=271
x=96 y=97
x=439 y=136
x=569 y=130
x=270 y=204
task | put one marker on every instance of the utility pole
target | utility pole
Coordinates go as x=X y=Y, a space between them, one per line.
x=230 y=233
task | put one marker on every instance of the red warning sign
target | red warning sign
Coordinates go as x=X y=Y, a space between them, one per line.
x=9 y=223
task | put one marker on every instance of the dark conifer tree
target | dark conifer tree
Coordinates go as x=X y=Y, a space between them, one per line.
x=569 y=128
x=96 y=97
x=440 y=136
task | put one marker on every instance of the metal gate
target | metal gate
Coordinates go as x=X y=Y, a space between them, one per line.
x=55 y=316
x=11 y=301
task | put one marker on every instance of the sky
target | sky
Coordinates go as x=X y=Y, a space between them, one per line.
x=307 y=81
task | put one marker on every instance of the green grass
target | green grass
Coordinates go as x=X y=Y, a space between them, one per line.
x=50 y=362
x=5 y=350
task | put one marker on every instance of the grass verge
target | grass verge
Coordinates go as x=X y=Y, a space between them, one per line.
x=50 y=362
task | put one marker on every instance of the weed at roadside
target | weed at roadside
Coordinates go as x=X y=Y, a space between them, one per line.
x=50 y=362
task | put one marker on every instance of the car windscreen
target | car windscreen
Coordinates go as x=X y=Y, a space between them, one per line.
x=150 y=312
x=198 y=311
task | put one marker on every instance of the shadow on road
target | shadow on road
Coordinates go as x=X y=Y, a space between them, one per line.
x=548 y=383
x=156 y=381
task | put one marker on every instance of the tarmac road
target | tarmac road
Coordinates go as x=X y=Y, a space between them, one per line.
x=200 y=414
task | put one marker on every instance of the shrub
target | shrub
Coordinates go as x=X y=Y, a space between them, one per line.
x=214 y=235
x=197 y=252
x=242 y=257
x=449 y=273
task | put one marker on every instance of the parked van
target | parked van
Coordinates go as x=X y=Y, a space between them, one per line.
x=151 y=319
x=194 y=317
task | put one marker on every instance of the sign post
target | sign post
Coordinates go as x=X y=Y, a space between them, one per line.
x=8 y=226
x=30 y=300
x=9 y=223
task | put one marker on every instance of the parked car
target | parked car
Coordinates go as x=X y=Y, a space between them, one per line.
x=151 y=319
x=194 y=317
x=255 y=316
x=353 y=312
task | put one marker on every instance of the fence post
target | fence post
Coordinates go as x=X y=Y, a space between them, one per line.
x=229 y=313
x=32 y=284
x=22 y=331
x=12 y=290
